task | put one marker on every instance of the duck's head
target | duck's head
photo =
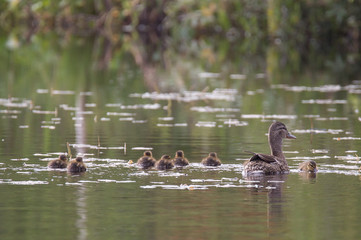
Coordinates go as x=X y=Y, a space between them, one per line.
x=79 y=159
x=279 y=130
x=213 y=154
x=148 y=153
x=165 y=157
x=179 y=153
x=62 y=157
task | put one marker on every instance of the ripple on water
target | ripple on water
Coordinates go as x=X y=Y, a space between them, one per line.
x=20 y=159
x=318 y=131
x=319 y=150
x=300 y=158
x=274 y=116
x=42 y=154
x=346 y=138
x=348 y=157
x=176 y=187
x=29 y=182
x=96 y=147
x=142 y=148
x=224 y=94
x=324 y=101
x=62 y=92
x=172 y=125
x=170 y=174
x=206 y=124
x=213 y=109
x=123 y=114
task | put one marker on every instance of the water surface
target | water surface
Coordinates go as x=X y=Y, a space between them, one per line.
x=112 y=117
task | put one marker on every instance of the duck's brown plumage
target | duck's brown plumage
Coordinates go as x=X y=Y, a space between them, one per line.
x=164 y=163
x=211 y=160
x=308 y=166
x=147 y=160
x=59 y=162
x=77 y=165
x=179 y=159
x=276 y=162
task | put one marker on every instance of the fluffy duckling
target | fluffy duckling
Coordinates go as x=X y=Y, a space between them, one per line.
x=147 y=160
x=179 y=160
x=308 y=166
x=276 y=162
x=58 y=163
x=77 y=165
x=164 y=163
x=211 y=160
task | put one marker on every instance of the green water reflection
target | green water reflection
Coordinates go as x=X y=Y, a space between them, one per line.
x=115 y=199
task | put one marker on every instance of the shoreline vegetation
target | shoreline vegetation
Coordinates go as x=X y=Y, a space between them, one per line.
x=284 y=34
x=302 y=21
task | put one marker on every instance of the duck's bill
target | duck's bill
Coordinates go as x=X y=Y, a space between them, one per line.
x=289 y=135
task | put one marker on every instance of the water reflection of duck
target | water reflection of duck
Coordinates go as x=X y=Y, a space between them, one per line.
x=77 y=165
x=276 y=162
x=147 y=160
x=308 y=166
x=58 y=163
x=164 y=163
x=179 y=159
x=211 y=160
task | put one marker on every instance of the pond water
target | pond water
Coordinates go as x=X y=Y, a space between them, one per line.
x=50 y=96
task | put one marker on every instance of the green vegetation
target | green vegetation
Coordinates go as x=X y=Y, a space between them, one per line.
x=278 y=37
x=309 y=22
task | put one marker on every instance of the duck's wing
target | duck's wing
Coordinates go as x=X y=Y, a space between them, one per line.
x=262 y=157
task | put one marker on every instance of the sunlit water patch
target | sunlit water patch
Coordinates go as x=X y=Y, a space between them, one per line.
x=317 y=131
x=324 y=101
x=30 y=182
x=208 y=109
x=274 y=116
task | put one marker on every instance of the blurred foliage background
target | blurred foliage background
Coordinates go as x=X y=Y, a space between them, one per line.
x=266 y=36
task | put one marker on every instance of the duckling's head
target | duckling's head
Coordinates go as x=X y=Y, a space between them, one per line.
x=279 y=130
x=165 y=157
x=62 y=157
x=311 y=166
x=179 y=153
x=148 y=153
x=213 y=154
x=79 y=159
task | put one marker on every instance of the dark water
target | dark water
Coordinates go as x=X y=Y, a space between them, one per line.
x=50 y=96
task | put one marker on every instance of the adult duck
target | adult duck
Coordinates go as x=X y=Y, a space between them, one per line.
x=308 y=166
x=59 y=162
x=147 y=160
x=211 y=160
x=276 y=162
x=179 y=160
x=76 y=165
x=164 y=163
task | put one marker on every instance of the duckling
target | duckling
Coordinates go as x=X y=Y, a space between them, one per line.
x=77 y=165
x=147 y=160
x=179 y=159
x=308 y=166
x=211 y=160
x=274 y=163
x=58 y=163
x=164 y=163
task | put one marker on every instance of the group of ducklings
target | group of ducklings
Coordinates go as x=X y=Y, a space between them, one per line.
x=166 y=162
x=75 y=165
x=146 y=161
